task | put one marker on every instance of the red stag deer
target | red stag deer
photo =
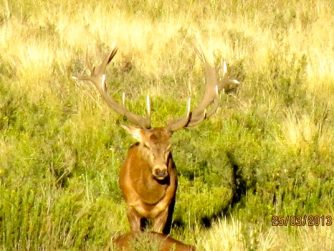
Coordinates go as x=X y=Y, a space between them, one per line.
x=161 y=242
x=148 y=178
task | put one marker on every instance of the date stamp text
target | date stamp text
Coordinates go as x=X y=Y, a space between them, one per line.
x=300 y=221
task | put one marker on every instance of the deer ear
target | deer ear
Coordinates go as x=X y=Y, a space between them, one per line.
x=135 y=132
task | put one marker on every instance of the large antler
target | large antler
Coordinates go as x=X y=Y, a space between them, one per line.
x=98 y=77
x=210 y=97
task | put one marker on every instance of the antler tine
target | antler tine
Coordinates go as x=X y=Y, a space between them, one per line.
x=123 y=99
x=101 y=69
x=224 y=68
x=148 y=106
x=148 y=109
x=89 y=65
x=97 y=77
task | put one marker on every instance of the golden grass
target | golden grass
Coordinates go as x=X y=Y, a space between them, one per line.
x=233 y=235
x=224 y=235
x=302 y=131
x=60 y=33
x=299 y=131
x=79 y=28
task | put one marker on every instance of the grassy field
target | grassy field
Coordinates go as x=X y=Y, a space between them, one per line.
x=267 y=152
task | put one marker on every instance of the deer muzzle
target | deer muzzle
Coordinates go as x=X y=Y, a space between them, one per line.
x=160 y=172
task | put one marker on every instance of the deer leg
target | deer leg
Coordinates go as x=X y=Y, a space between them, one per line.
x=160 y=221
x=168 y=224
x=134 y=219
x=163 y=222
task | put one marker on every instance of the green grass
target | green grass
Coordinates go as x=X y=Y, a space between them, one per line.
x=268 y=150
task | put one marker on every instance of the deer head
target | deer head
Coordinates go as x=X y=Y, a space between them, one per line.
x=156 y=148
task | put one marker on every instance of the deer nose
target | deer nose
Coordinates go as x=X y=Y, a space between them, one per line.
x=160 y=172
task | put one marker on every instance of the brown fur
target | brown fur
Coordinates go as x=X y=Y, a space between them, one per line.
x=161 y=241
x=148 y=197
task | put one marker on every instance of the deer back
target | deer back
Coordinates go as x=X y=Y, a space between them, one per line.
x=128 y=241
